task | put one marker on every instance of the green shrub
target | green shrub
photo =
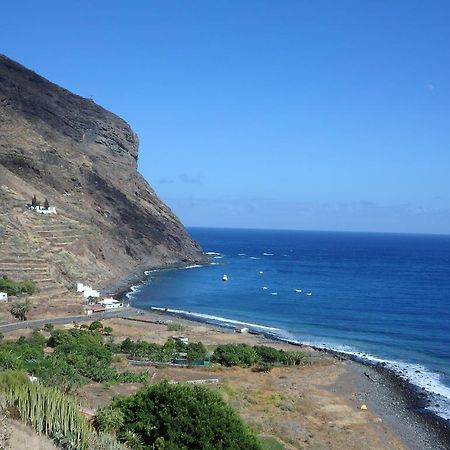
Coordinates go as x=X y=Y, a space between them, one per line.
x=195 y=351
x=183 y=417
x=235 y=355
x=12 y=287
x=269 y=354
x=96 y=325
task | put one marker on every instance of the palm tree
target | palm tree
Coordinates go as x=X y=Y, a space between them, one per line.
x=20 y=308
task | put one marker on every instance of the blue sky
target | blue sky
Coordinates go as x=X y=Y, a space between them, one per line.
x=330 y=115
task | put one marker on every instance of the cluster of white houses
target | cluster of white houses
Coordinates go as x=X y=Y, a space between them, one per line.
x=95 y=304
x=3 y=297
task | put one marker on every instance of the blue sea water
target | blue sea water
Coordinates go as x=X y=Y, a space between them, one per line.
x=384 y=297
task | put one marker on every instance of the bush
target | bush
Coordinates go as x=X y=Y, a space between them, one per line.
x=195 y=351
x=183 y=417
x=269 y=354
x=12 y=287
x=49 y=327
x=235 y=355
x=96 y=325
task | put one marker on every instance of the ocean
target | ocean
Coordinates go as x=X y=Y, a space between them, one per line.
x=380 y=297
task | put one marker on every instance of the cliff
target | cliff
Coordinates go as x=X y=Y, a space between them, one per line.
x=83 y=159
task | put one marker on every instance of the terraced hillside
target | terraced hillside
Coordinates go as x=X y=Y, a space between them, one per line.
x=56 y=145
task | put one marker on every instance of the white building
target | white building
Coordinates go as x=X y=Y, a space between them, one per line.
x=3 y=297
x=110 y=303
x=87 y=291
x=42 y=210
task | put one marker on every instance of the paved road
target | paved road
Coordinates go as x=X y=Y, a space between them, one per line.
x=125 y=312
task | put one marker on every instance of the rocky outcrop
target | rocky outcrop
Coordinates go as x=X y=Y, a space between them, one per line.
x=83 y=158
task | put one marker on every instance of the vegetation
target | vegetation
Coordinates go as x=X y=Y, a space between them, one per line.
x=242 y=355
x=20 y=308
x=12 y=287
x=49 y=327
x=53 y=413
x=79 y=356
x=179 y=416
x=46 y=204
x=95 y=325
x=265 y=357
x=47 y=410
x=163 y=353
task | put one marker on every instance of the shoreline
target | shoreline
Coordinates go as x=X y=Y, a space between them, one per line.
x=409 y=402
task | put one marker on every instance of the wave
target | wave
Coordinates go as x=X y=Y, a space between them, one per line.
x=212 y=253
x=193 y=266
x=268 y=254
x=133 y=290
x=253 y=257
x=221 y=320
x=148 y=272
x=242 y=254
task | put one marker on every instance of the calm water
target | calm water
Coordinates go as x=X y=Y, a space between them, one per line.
x=383 y=296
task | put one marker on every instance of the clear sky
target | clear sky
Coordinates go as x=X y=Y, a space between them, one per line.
x=324 y=115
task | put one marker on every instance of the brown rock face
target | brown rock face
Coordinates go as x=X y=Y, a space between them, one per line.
x=81 y=157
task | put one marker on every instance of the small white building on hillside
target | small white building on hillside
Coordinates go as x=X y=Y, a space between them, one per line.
x=110 y=303
x=87 y=291
x=42 y=210
x=3 y=297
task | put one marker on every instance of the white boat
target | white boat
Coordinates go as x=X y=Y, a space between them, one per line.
x=225 y=277
x=265 y=287
x=274 y=293
x=297 y=290
x=309 y=294
x=261 y=272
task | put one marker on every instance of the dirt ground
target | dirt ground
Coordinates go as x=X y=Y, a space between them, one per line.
x=302 y=407
x=24 y=437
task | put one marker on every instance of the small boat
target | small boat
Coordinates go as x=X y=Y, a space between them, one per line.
x=261 y=272
x=225 y=277
x=297 y=290
x=265 y=287
x=309 y=294
x=274 y=293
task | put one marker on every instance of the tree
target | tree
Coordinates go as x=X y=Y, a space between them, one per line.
x=95 y=325
x=183 y=417
x=20 y=308
x=46 y=204
x=34 y=201
x=195 y=351
x=235 y=355
x=107 y=331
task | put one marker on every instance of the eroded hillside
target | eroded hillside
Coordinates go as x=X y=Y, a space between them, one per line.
x=109 y=222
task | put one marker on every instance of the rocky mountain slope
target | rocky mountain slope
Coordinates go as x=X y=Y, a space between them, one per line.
x=83 y=158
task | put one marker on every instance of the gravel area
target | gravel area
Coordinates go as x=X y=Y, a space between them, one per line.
x=397 y=405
